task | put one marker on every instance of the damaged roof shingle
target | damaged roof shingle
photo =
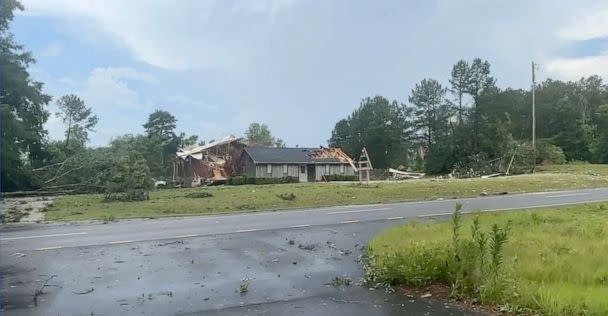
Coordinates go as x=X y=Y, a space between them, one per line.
x=296 y=155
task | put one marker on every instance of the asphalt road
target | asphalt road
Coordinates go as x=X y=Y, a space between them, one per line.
x=196 y=265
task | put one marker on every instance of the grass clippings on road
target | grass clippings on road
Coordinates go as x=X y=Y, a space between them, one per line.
x=554 y=260
x=230 y=199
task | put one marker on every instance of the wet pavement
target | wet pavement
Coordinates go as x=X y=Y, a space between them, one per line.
x=273 y=272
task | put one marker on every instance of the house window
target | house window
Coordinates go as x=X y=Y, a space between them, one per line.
x=342 y=169
x=269 y=168
x=284 y=169
x=326 y=169
x=302 y=169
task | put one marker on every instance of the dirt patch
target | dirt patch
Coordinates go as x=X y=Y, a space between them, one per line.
x=25 y=209
x=440 y=292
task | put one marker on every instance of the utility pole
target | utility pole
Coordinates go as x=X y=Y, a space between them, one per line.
x=533 y=116
x=533 y=107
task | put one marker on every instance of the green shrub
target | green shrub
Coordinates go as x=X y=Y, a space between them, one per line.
x=126 y=177
x=287 y=196
x=237 y=180
x=470 y=265
x=340 y=177
x=550 y=153
x=470 y=274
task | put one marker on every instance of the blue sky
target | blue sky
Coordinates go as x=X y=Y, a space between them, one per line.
x=297 y=65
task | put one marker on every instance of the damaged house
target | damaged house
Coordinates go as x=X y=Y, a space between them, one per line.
x=305 y=164
x=209 y=163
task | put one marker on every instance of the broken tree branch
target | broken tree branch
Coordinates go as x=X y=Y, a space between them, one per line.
x=57 y=177
x=40 y=291
x=84 y=292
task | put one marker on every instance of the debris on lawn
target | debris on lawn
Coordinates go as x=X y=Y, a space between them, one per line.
x=199 y=195
x=402 y=175
x=485 y=193
x=291 y=242
x=24 y=209
x=287 y=196
x=13 y=215
x=493 y=175
x=106 y=219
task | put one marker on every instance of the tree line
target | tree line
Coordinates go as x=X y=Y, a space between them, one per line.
x=122 y=169
x=472 y=124
x=467 y=124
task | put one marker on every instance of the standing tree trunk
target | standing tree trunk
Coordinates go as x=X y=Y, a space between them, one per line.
x=67 y=138
x=460 y=107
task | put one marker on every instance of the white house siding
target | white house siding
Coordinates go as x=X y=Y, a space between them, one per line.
x=277 y=171
x=321 y=170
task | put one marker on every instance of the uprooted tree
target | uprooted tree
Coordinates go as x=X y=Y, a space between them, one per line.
x=119 y=173
x=125 y=177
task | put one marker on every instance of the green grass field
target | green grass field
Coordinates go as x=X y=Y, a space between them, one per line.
x=227 y=199
x=576 y=168
x=555 y=260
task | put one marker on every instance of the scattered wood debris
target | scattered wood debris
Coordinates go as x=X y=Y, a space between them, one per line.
x=84 y=292
x=398 y=175
x=40 y=291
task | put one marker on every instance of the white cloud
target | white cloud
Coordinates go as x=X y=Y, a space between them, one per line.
x=109 y=87
x=265 y=7
x=575 y=68
x=192 y=104
x=54 y=49
x=110 y=92
x=586 y=25
x=193 y=34
x=286 y=61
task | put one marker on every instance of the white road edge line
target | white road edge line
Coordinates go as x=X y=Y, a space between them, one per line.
x=120 y=242
x=515 y=208
x=43 y=236
x=396 y=217
x=48 y=248
x=358 y=211
x=299 y=226
x=436 y=214
x=246 y=230
x=564 y=195
x=184 y=236
x=349 y=222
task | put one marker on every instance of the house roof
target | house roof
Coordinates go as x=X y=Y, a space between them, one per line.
x=194 y=150
x=294 y=155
